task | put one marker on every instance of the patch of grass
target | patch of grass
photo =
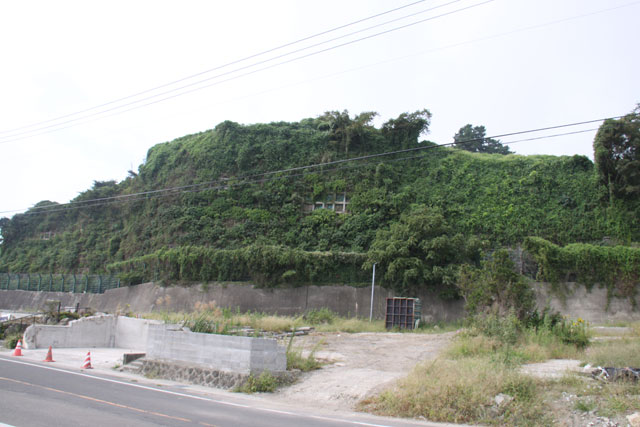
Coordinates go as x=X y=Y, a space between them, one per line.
x=584 y=405
x=273 y=323
x=621 y=353
x=621 y=398
x=295 y=359
x=439 y=327
x=530 y=346
x=319 y=316
x=462 y=391
x=152 y=374
x=612 y=332
x=352 y=325
x=68 y=315
x=222 y=321
x=264 y=383
x=605 y=399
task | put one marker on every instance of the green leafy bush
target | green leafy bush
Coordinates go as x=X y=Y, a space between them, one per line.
x=320 y=316
x=572 y=332
x=265 y=265
x=11 y=340
x=509 y=329
x=264 y=383
x=496 y=287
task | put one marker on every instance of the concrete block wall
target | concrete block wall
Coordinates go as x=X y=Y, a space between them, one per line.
x=222 y=352
x=165 y=342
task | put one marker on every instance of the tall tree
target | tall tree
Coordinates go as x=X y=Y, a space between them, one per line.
x=422 y=251
x=346 y=133
x=473 y=138
x=404 y=131
x=617 y=155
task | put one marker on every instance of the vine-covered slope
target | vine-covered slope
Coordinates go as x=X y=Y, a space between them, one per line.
x=220 y=198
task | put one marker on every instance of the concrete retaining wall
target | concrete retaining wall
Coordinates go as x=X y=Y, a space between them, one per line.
x=222 y=352
x=345 y=300
x=592 y=305
x=145 y=298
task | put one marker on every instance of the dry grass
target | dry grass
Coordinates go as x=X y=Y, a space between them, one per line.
x=475 y=368
x=352 y=325
x=620 y=353
x=604 y=399
x=462 y=391
x=530 y=347
x=321 y=320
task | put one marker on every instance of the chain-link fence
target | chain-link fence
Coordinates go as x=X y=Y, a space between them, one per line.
x=76 y=283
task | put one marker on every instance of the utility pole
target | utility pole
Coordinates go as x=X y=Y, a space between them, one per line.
x=373 y=285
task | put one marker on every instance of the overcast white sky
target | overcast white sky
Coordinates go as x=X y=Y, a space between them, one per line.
x=509 y=65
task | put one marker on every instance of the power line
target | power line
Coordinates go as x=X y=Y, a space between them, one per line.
x=230 y=182
x=444 y=47
x=182 y=92
x=218 y=67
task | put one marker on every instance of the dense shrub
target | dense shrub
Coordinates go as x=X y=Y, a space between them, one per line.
x=615 y=267
x=265 y=265
x=496 y=286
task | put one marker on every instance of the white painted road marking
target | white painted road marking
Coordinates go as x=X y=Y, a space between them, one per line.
x=175 y=393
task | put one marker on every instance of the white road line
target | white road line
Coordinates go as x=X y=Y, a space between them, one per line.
x=206 y=399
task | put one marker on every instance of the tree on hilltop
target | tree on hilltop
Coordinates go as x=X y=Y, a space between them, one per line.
x=473 y=138
x=617 y=155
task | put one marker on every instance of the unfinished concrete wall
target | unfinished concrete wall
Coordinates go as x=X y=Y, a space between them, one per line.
x=95 y=331
x=221 y=352
x=132 y=333
x=165 y=342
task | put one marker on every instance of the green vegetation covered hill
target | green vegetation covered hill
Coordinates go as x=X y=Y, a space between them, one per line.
x=226 y=219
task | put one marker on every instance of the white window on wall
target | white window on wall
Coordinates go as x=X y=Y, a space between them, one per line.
x=336 y=202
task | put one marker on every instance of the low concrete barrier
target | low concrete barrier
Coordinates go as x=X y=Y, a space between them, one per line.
x=95 y=331
x=222 y=352
x=166 y=342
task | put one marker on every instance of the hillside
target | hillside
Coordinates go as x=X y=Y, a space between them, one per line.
x=222 y=203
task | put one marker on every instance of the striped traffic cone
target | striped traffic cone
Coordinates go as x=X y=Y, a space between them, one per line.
x=18 y=349
x=87 y=362
x=49 y=357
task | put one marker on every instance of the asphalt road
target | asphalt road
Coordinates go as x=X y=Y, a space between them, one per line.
x=35 y=394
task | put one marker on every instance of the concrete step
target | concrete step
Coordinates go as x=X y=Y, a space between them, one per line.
x=133 y=367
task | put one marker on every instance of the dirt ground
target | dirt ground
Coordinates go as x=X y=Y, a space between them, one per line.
x=358 y=365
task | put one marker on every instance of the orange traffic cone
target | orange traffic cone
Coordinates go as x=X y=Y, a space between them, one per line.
x=49 y=357
x=18 y=349
x=87 y=362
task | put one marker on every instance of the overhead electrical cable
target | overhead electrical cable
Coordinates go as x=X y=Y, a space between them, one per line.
x=255 y=55
x=435 y=49
x=224 y=182
x=116 y=110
